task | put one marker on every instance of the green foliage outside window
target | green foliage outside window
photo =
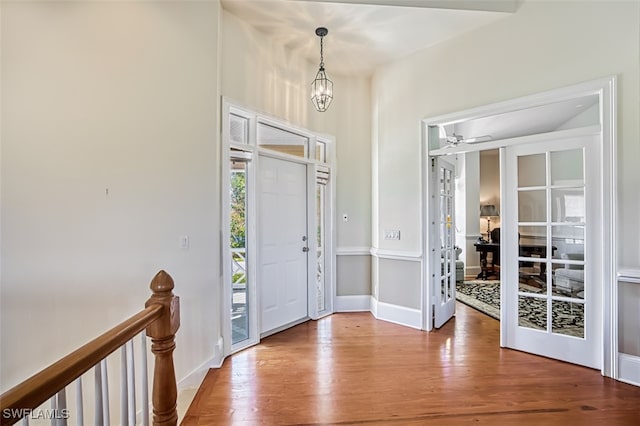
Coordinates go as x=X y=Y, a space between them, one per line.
x=238 y=209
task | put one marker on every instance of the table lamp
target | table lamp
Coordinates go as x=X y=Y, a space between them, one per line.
x=489 y=211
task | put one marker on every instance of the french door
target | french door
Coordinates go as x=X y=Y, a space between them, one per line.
x=282 y=243
x=443 y=278
x=551 y=231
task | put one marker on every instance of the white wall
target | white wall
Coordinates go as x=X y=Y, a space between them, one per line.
x=97 y=96
x=545 y=45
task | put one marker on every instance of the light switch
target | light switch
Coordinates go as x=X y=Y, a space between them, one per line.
x=391 y=234
x=184 y=242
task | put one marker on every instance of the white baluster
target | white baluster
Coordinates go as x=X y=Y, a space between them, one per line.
x=123 y=386
x=131 y=383
x=54 y=408
x=79 y=403
x=145 y=380
x=99 y=417
x=105 y=392
x=61 y=408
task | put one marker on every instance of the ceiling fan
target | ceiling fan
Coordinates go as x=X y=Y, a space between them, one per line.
x=456 y=139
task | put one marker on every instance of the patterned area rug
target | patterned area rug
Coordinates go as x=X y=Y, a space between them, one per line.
x=481 y=295
x=567 y=318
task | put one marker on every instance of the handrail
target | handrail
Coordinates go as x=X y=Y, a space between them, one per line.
x=160 y=318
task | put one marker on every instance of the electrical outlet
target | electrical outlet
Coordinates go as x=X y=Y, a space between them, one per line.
x=391 y=234
x=345 y=217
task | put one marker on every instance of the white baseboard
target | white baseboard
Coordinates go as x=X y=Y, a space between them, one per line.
x=398 y=314
x=189 y=385
x=629 y=369
x=357 y=303
x=195 y=378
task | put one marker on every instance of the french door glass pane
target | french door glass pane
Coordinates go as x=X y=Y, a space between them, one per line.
x=567 y=318
x=567 y=205
x=532 y=312
x=568 y=238
x=568 y=280
x=531 y=170
x=567 y=167
x=532 y=206
x=568 y=267
x=532 y=259
x=238 y=247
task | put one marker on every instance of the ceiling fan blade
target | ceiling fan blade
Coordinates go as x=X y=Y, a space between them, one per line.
x=477 y=139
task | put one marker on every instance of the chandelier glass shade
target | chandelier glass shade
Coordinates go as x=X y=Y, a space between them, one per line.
x=321 y=87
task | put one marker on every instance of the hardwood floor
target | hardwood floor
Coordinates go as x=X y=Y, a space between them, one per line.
x=353 y=369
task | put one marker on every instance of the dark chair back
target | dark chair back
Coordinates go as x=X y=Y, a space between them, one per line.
x=495 y=236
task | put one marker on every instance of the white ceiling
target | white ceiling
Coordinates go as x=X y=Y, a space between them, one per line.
x=530 y=121
x=364 y=34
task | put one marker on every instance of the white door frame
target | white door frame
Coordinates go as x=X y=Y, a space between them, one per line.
x=605 y=89
x=254 y=152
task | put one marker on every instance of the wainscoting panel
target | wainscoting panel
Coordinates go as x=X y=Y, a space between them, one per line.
x=629 y=369
x=353 y=275
x=628 y=326
x=400 y=282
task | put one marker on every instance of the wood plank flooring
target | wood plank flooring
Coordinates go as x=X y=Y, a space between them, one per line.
x=351 y=369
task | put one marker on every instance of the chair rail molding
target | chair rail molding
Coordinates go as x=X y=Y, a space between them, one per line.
x=630 y=275
x=353 y=251
x=410 y=256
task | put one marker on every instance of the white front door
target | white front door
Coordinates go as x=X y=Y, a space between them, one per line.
x=443 y=280
x=282 y=242
x=552 y=234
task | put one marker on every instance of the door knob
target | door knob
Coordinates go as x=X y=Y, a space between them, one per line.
x=305 y=249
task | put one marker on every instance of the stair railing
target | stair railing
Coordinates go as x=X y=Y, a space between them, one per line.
x=159 y=320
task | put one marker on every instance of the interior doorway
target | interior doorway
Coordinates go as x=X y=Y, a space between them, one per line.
x=533 y=124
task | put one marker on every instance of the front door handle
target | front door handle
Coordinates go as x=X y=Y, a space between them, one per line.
x=305 y=249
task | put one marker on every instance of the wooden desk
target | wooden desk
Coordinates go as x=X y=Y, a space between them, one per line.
x=526 y=250
x=484 y=249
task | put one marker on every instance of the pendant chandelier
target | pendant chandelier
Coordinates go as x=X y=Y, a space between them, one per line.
x=322 y=87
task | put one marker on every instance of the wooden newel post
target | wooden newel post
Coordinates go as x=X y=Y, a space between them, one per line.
x=162 y=333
